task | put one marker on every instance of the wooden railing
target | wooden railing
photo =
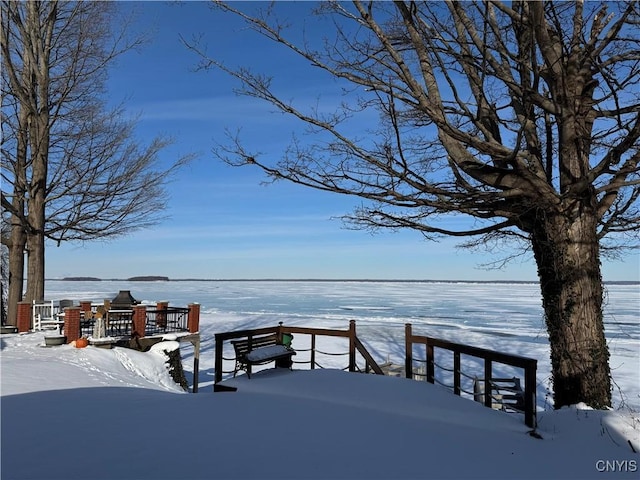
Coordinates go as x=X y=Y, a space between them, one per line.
x=46 y=314
x=489 y=357
x=370 y=363
x=355 y=346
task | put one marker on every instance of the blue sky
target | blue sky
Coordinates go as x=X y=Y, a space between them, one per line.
x=222 y=222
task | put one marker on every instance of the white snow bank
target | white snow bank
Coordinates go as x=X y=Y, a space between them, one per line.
x=165 y=346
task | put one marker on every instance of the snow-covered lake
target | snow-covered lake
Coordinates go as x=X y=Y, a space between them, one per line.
x=498 y=316
x=101 y=405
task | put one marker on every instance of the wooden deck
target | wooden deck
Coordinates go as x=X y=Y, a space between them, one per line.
x=418 y=368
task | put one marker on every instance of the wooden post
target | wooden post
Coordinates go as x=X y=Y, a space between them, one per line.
x=24 y=316
x=193 y=319
x=431 y=364
x=408 y=348
x=313 y=351
x=530 y=417
x=352 y=345
x=196 y=363
x=487 y=383
x=456 y=372
x=218 y=360
x=249 y=350
x=72 y=323
x=139 y=321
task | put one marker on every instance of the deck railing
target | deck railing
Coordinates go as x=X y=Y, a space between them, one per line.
x=355 y=346
x=167 y=320
x=488 y=357
x=119 y=323
x=360 y=360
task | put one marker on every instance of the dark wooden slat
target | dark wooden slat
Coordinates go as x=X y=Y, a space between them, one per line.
x=368 y=358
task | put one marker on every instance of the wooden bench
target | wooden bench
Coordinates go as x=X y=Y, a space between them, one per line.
x=260 y=351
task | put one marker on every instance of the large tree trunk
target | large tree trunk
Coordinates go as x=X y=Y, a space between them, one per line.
x=566 y=250
x=40 y=136
x=18 y=239
x=35 y=268
x=16 y=273
x=35 y=238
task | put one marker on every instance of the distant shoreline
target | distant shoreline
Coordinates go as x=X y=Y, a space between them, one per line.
x=334 y=280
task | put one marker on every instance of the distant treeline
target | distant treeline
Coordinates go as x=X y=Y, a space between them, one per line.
x=148 y=278
x=155 y=278
x=82 y=279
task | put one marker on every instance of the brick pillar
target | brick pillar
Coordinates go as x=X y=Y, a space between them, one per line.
x=161 y=318
x=193 y=320
x=72 y=323
x=24 y=316
x=85 y=306
x=139 y=321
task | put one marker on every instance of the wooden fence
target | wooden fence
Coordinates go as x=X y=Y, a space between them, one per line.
x=355 y=345
x=489 y=357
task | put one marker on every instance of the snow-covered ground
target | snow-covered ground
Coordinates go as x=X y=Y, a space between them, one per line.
x=92 y=413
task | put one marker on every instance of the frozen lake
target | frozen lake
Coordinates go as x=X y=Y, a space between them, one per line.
x=498 y=316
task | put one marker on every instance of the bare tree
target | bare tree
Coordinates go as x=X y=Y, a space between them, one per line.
x=72 y=169
x=522 y=116
x=4 y=255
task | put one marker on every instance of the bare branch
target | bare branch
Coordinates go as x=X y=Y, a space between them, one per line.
x=489 y=109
